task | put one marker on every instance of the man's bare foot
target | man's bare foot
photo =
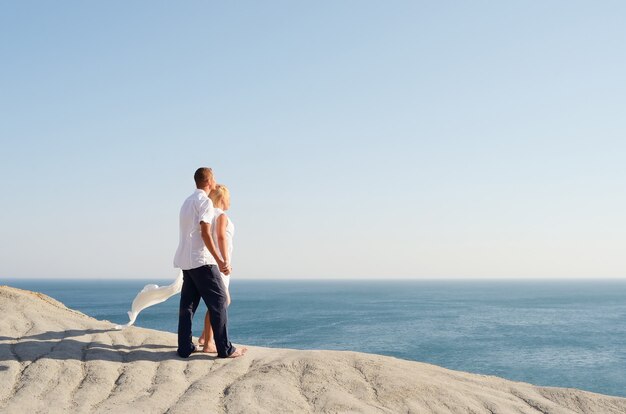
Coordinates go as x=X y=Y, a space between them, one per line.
x=238 y=352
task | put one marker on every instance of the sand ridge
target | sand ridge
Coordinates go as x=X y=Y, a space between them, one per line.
x=54 y=359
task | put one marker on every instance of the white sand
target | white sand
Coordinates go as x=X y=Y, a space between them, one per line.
x=53 y=359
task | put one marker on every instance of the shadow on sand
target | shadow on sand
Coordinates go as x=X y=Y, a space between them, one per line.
x=60 y=345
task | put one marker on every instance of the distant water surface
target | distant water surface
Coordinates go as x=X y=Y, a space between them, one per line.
x=554 y=333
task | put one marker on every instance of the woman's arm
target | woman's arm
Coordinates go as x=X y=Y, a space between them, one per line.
x=222 y=243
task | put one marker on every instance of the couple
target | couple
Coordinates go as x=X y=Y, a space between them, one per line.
x=203 y=254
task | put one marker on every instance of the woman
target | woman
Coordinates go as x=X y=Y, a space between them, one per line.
x=223 y=231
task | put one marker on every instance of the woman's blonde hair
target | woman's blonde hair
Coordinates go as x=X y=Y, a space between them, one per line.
x=219 y=195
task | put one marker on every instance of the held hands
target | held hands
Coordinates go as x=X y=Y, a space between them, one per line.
x=225 y=267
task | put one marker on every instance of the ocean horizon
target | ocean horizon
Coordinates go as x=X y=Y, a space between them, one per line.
x=550 y=332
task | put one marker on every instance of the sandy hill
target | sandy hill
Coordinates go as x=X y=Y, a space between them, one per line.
x=54 y=359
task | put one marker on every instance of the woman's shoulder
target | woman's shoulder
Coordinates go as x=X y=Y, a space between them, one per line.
x=221 y=213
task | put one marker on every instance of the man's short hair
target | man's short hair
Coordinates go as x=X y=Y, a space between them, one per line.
x=203 y=176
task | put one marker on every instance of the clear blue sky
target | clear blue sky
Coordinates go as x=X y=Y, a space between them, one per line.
x=358 y=138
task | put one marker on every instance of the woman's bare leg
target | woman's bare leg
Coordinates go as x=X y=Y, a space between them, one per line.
x=209 y=341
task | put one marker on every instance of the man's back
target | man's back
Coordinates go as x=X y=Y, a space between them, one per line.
x=192 y=252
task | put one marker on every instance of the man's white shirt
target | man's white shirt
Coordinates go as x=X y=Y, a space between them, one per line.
x=192 y=252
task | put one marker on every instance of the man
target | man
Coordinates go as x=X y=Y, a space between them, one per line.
x=201 y=265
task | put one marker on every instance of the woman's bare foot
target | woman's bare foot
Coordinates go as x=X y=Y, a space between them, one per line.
x=210 y=348
x=201 y=339
x=238 y=352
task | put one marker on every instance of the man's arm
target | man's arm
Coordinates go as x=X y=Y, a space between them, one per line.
x=205 y=229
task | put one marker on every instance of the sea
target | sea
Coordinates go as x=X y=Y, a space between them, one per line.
x=563 y=333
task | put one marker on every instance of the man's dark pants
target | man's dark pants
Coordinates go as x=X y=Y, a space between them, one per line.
x=203 y=282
